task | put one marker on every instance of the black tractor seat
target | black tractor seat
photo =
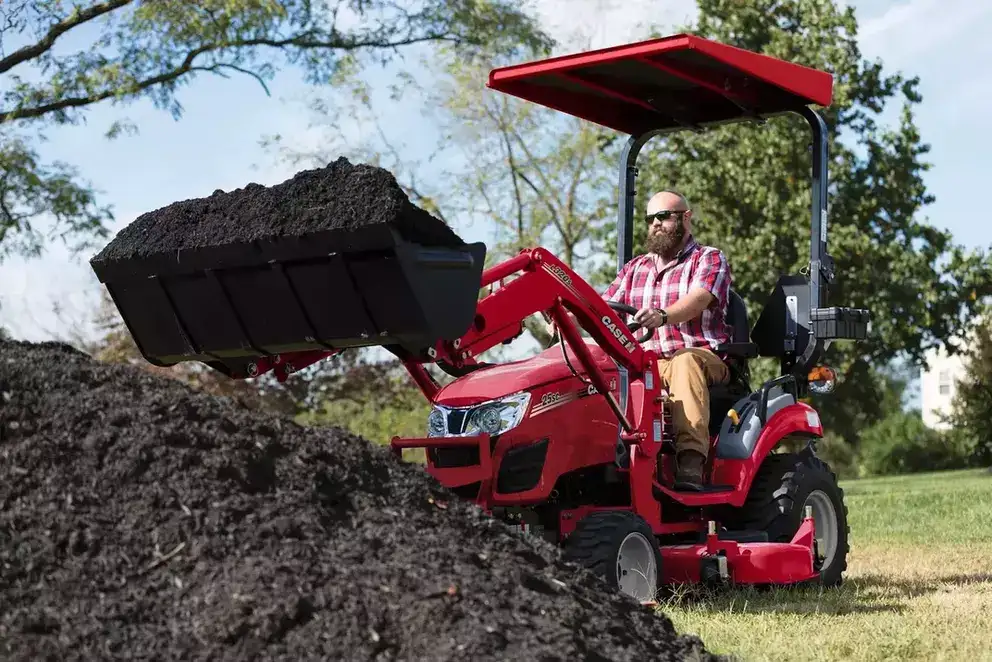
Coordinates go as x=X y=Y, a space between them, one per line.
x=736 y=352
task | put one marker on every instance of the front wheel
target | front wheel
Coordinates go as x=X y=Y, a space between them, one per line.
x=621 y=548
x=785 y=485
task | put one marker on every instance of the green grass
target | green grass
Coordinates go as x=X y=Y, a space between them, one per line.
x=918 y=586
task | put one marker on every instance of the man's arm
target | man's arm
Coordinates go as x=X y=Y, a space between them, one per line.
x=710 y=285
x=691 y=305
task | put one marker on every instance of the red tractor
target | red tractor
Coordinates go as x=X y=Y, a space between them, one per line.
x=576 y=443
x=568 y=442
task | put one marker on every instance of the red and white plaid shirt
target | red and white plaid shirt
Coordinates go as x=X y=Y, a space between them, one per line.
x=640 y=284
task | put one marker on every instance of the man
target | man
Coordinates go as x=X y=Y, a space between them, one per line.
x=681 y=290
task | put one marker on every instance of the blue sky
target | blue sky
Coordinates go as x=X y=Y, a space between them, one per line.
x=216 y=144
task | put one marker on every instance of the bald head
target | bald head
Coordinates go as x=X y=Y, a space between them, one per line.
x=667 y=236
x=667 y=200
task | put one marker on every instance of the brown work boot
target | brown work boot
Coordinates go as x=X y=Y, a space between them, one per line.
x=689 y=474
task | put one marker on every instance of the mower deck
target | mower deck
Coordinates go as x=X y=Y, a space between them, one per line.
x=719 y=561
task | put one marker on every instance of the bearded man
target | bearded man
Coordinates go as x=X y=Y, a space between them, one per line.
x=681 y=291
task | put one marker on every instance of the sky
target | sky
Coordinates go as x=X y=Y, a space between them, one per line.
x=216 y=143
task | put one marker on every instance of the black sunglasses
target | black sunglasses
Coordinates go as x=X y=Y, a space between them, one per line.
x=664 y=215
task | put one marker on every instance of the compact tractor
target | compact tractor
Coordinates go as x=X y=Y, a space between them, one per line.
x=575 y=443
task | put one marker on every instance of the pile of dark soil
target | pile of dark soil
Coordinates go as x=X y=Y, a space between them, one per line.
x=141 y=520
x=340 y=196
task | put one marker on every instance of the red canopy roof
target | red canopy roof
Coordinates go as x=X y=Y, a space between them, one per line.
x=681 y=81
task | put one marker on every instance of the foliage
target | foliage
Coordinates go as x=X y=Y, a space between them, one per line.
x=129 y=50
x=750 y=189
x=376 y=414
x=4 y=331
x=836 y=452
x=534 y=175
x=902 y=443
x=971 y=411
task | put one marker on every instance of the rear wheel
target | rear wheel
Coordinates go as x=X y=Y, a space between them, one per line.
x=621 y=548
x=785 y=485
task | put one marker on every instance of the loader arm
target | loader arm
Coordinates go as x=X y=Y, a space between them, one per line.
x=544 y=284
x=547 y=285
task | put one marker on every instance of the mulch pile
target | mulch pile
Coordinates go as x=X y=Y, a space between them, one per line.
x=141 y=520
x=341 y=196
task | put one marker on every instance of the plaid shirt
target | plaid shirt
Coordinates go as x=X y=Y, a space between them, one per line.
x=640 y=284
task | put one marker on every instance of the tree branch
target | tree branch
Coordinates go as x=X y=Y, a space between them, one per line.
x=555 y=216
x=300 y=41
x=412 y=189
x=514 y=174
x=577 y=173
x=530 y=156
x=217 y=67
x=56 y=31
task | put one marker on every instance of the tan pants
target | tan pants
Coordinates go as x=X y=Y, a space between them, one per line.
x=688 y=374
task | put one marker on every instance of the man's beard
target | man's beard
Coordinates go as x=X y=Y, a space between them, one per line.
x=665 y=242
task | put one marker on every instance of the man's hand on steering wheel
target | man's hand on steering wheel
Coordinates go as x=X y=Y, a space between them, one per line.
x=651 y=318
x=648 y=319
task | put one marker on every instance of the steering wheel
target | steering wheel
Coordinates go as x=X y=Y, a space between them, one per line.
x=631 y=326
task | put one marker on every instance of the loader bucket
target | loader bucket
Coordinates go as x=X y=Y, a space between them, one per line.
x=225 y=303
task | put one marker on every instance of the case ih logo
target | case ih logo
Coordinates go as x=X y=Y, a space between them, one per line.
x=592 y=390
x=618 y=333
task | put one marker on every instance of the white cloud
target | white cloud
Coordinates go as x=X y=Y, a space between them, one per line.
x=603 y=23
x=909 y=30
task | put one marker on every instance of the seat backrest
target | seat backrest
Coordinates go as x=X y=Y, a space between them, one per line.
x=737 y=318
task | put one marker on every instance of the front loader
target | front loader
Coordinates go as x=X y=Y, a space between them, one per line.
x=576 y=443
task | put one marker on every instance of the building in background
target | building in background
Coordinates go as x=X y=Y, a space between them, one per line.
x=938 y=383
x=937 y=386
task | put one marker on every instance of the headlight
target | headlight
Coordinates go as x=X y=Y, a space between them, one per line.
x=498 y=417
x=437 y=426
x=492 y=417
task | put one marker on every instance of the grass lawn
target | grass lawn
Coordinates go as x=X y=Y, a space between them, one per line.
x=918 y=585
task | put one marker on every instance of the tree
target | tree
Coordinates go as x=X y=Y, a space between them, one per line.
x=749 y=187
x=971 y=408
x=901 y=443
x=4 y=332
x=535 y=176
x=531 y=176
x=130 y=50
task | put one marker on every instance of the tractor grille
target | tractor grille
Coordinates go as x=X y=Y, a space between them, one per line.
x=466 y=456
x=449 y=458
x=469 y=492
x=521 y=468
x=456 y=420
